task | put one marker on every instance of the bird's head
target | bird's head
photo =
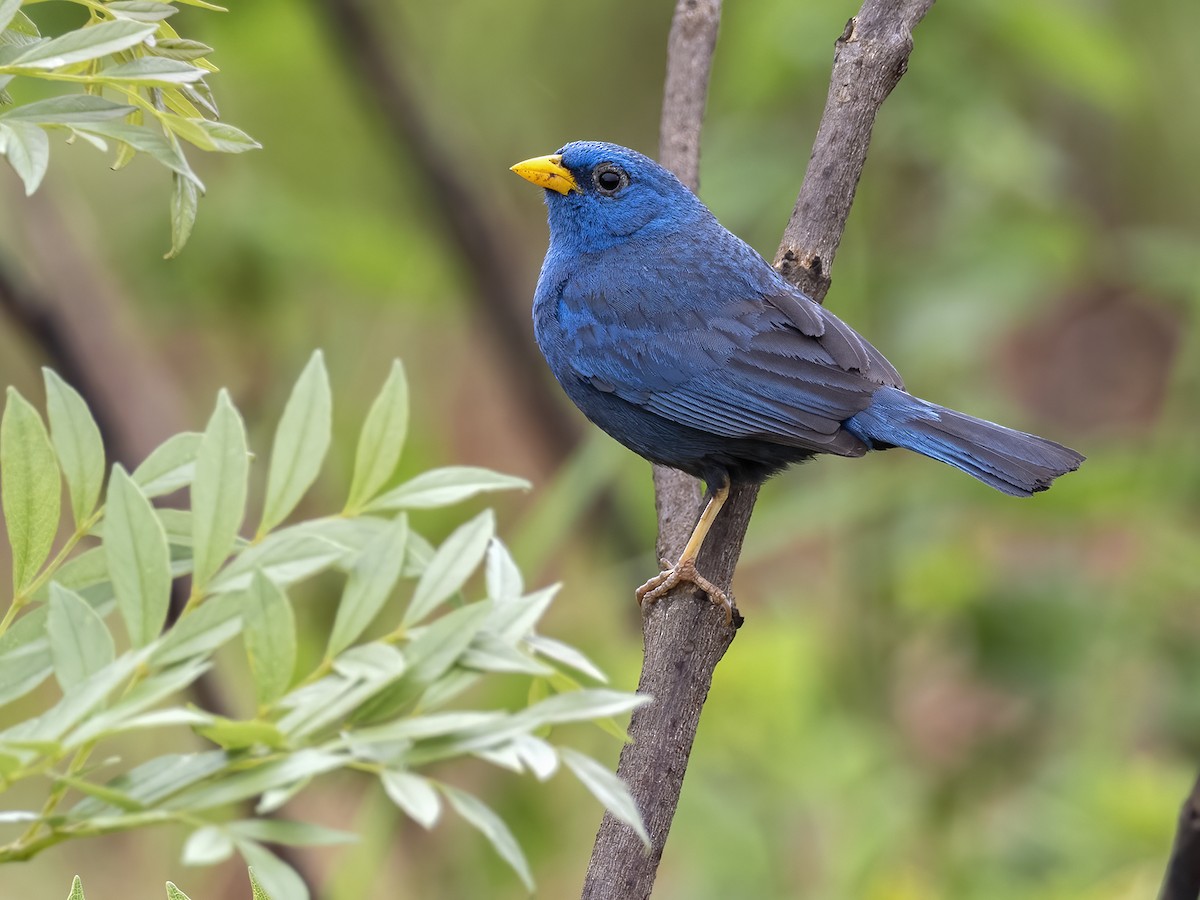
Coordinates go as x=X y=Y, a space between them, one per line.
x=600 y=195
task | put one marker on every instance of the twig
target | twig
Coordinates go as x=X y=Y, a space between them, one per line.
x=1182 y=879
x=684 y=634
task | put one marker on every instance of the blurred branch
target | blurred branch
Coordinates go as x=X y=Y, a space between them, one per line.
x=1182 y=879
x=483 y=241
x=684 y=634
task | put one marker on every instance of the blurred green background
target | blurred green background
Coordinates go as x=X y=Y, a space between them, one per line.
x=939 y=692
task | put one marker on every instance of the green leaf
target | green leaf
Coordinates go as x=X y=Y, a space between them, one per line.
x=77 y=439
x=8 y=10
x=25 y=660
x=284 y=557
x=301 y=441
x=232 y=734
x=174 y=893
x=185 y=198
x=381 y=440
x=606 y=787
x=292 y=833
x=67 y=110
x=83 y=44
x=27 y=149
x=219 y=490
x=171 y=466
x=441 y=487
x=564 y=654
x=451 y=566
x=202 y=631
x=153 y=781
x=212 y=136
x=271 y=877
x=580 y=706
x=371 y=582
x=249 y=782
x=207 y=846
x=493 y=828
x=140 y=10
x=139 y=561
x=80 y=644
x=140 y=137
x=180 y=48
x=504 y=582
x=270 y=637
x=30 y=488
x=76 y=890
x=414 y=795
x=152 y=70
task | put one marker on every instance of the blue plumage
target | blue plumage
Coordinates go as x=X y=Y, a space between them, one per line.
x=684 y=344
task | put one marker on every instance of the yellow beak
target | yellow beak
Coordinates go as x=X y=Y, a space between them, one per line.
x=547 y=172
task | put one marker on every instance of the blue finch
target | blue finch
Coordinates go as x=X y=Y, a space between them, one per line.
x=679 y=340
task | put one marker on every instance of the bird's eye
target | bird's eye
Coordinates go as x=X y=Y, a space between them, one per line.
x=609 y=179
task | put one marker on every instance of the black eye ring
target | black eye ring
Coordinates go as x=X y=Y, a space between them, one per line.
x=609 y=179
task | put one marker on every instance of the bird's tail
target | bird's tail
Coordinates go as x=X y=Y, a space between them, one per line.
x=1010 y=461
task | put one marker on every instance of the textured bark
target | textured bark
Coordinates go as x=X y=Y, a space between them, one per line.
x=685 y=635
x=869 y=59
x=1182 y=880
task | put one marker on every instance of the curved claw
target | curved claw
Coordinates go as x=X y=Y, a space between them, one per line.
x=685 y=570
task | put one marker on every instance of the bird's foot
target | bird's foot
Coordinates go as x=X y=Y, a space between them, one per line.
x=671 y=575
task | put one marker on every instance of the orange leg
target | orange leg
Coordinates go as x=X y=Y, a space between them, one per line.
x=685 y=569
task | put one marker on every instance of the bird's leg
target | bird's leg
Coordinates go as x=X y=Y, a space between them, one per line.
x=685 y=569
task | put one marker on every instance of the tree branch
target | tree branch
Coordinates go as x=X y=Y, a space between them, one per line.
x=684 y=634
x=1182 y=879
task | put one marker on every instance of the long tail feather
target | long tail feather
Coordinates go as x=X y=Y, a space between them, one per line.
x=1010 y=461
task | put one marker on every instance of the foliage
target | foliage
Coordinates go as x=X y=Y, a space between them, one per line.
x=375 y=705
x=126 y=50
x=173 y=893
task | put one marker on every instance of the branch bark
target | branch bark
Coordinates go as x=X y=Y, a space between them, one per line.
x=684 y=635
x=1182 y=879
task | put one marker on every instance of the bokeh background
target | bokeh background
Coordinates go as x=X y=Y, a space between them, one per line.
x=940 y=692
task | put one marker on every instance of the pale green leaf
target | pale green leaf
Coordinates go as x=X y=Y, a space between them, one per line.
x=66 y=110
x=414 y=795
x=152 y=70
x=565 y=654
x=30 y=487
x=140 y=10
x=206 y=846
x=249 y=782
x=493 y=828
x=180 y=48
x=8 y=10
x=77 y=440
x=218 y=490
x=381 y=440
x=270 y=637
x=458 y=556
x=185 y=199
x=174 y=893
x=441 y=487
x=285 y=556
x=90 y=42
x=270 y=875
x=25 y=660
x=80 y=644
x=76 y=890
x=27 y=148
x=139 y=561
x=139 y=137
x=504 y=582
x=217 y=137
x=580 y=706
x=371 y=582
x=289 y=832
x=171 y=466
x=301 y=441
x=606 y=787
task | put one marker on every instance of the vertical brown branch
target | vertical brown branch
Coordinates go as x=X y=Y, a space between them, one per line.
x=684 y=634
x=1182 y=878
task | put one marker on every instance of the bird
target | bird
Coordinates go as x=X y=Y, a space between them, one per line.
x=680 y=341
